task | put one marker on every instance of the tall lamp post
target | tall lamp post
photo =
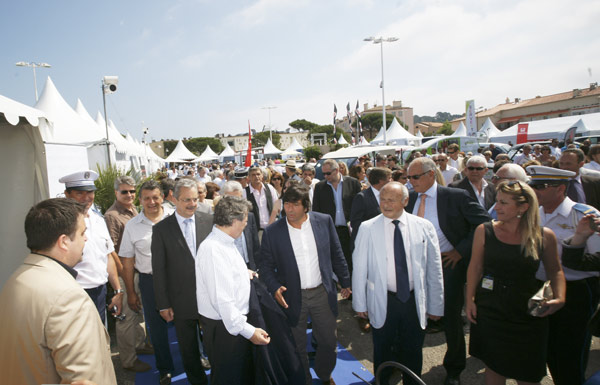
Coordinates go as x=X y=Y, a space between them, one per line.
x=270 y=132
x=109 y=85
x=381 y=40
x=34 y=66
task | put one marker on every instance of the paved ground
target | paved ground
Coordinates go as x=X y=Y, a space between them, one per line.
x=360 y=346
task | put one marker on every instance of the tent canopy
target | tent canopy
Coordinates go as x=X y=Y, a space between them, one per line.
x=228 y=151
x=488 y=129
x=295 y=145
x=270 y=149
x=342 y=140
x=461 y=130
x=207 y=155
x=181 y=154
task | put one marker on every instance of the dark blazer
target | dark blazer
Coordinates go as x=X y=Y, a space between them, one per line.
x=174 y=267
x=490 y=191
x=252 y=244
x=575 y=258
x=591 y=189
x=324 y=202
x=458 y=215
x=364 y=207
x=278 y=265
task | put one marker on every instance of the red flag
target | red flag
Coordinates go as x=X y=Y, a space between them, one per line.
x=248 y=161
x=522 y=133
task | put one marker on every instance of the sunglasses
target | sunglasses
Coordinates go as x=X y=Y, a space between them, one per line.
x=496 y=178
x=450 y=153
x=329 y=173
x=124 y=192
x=542 y=186
x=471 y=168
x=276 y=179
x=416 y=177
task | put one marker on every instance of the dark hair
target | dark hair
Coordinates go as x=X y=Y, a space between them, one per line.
x=397 y=175
x=49 y=219
x=230 y=208
x=377 y=174
x=355 y=170
x=499 y=164
x=594 y=149
x=151 y=185
x=211 y=189
x=580 y=155
x=167 y=185
x=297 y=193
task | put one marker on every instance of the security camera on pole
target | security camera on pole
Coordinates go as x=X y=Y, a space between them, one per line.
x=109 y=85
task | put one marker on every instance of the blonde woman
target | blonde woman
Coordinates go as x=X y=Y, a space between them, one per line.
x=500 y=280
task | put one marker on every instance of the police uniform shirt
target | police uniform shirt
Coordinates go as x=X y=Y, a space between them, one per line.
x=563 y=221
x=91 y=271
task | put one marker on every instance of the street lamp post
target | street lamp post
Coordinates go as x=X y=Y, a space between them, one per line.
x=270 y=131
x=109 y=85
x=34 y=66
x=381 y=40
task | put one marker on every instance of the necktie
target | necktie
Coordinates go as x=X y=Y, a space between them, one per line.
x=239 y=244
x=402 y=285
x=572 y=191
x=421 y=212
x=189 y=237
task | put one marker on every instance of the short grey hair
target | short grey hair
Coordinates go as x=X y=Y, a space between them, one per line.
x=308 y=167
x=232 y=186
x=477 y=159
x=201 y=185
x=426 y=164
x=124 y=179
x=514 y=171
x=402 y=187
x=184 y=182
x=332 y=163
x=229 y=209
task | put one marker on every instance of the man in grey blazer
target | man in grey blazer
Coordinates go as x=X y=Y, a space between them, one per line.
x=397 y=280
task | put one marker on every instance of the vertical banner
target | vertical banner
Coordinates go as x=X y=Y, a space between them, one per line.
x=248 y=161
x=334 y=116
x=522 y=133
x=470 y=119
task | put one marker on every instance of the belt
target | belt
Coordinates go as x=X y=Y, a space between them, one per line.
x=393 y=293
x=313 y=288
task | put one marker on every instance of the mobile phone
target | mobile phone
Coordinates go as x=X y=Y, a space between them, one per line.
x=113 y=310
x=593 y=224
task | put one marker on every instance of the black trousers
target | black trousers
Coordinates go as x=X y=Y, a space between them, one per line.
x=400 y=339
x=569 y=338
x=454 y=283
x=230 y=356
x=343 y=234
x=188 y=337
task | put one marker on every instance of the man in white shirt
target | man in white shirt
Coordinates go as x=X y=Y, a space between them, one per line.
x=568 y=336
x=202 y=175
x=299 y=255
x=477 y=187
x=448 y=172
x=397 y=280
x=223 y=294
x=97 y=265
x=525 y=156
x=262 y=196
x=135 y=252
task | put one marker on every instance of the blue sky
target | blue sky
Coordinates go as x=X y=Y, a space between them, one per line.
x=200 y=67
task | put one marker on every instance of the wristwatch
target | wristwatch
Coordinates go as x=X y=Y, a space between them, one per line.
x=119 y=291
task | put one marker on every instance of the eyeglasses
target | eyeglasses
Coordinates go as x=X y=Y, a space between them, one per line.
x=471 y=168
x=124 y=192
x=188 y=200
x=416 y=177
x=496 y=178
x=276 y=179
x=329 y=173
x=542 y=186
x=450 y=153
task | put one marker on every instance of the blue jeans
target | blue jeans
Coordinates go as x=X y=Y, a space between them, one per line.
x=98 y=296
x=157 y=326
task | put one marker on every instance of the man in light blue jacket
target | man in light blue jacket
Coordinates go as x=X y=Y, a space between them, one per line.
x=397 y=280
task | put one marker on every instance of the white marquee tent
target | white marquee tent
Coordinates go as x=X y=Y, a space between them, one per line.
x=295 y=145
x=488 y=129
x=181 y=154
x=461 y=130
x=227 y=154
x=270 y=149
x=342 y=140
x=207 y=155
x=397 y=135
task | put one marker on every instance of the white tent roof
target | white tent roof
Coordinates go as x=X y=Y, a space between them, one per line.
x=396 y=134
x=488 y=129
x=379 y=138
x=180 y=154
x=114 y=136
x=228 y=151
x=270 y=149
x=342 y=140
x=13 y=110
x=551 y=128
x=67 y=125
x=290 y=151
x=207 y=155
x=419 y=134
x=461 y=130
x=363 y=141
x=295 y=145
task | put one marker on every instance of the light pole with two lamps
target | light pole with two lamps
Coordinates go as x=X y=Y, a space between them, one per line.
x=381 y=40
x=34 y=66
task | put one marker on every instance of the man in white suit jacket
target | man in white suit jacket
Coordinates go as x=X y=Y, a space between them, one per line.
x=398 y=322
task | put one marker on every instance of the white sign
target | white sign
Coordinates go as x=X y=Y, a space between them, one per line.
x=471 y=120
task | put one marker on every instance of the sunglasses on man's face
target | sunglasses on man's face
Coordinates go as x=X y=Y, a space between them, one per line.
x=417 y=176
x=471 y=168
x=124 y=192
x=329 y=173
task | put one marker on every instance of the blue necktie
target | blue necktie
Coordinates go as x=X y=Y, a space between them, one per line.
x=402 y=284
x=189 y=237
x=572 y=191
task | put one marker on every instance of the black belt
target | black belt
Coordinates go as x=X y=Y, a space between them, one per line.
x=393 y=293
x=313 y=288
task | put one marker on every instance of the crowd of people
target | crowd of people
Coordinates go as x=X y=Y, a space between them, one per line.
x=242 y=260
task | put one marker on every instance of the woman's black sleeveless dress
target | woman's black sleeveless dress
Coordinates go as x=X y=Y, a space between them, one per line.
x=506 y=338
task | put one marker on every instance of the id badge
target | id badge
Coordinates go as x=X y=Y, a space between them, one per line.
x=487 y=282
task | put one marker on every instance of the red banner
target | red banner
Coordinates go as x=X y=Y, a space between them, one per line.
x=522 y=133
x=248 y=161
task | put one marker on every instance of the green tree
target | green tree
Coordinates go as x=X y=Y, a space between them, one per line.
x=198 y=145
x=372 y=123
x=446 y=129
x=260 y=139
x=312 y=152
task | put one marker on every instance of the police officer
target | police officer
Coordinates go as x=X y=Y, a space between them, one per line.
x=97 y=265
x=569 y=338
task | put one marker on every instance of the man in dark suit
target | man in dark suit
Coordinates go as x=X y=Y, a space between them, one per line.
x=175 y=241
x=454 y=214
x=585 y=186
x=334 y=196
x=299 y=255
x=477 y=187
x=248 y=244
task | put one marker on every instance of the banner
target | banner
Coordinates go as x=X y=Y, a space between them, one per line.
x=248 y=161
x=470 y=119
x=522 y=133
x=334 y=116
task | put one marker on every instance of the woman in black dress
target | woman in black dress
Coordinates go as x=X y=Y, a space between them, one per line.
x=500 y=280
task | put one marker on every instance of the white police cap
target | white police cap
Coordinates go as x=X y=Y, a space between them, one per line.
x=550 y=175
x=81 y=180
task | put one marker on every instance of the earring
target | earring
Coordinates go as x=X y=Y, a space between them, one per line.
x=519 y=215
